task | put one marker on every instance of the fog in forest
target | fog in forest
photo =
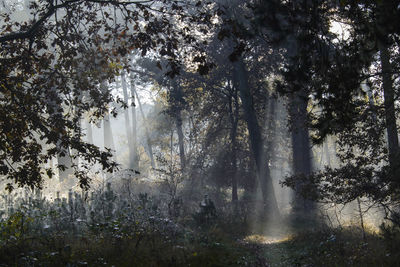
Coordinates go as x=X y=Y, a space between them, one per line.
x=199 y=133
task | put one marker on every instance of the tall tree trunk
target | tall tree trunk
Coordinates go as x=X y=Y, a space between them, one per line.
x=234 y=117
x=108 y=135
x=107 y=130
x=127 y=123
x=64 y=158
x=302 y=158
x=134 y=127
x=271 y=138
x=367 y=88
x=271 y=127
x=146 y=130
x=390 y=115
x=178 y=120
x=66 y=161
x=177 y=98
x=327 y=153
x=256 y=141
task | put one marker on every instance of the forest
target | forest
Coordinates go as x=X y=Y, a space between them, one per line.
x=199 y=133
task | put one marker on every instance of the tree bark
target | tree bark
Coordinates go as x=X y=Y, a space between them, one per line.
x=327 y=153
x=107 y=130
x=390 y=115
x=271 y=127
x=178 y=120
x=127 y=123
x=134 y=127
x=146 y=130
x=108 y=135
x=234 y=118
x=302 y=158
x=177 y=99
x=256 y=141
x=66 y=161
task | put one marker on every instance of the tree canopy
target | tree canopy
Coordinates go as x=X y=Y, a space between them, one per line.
x=54 y=56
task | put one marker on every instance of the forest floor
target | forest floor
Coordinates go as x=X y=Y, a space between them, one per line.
x=213 y=247
x=49 y=234
x=339 y=247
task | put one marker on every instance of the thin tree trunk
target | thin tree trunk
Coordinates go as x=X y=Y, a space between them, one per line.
x=108 y=135
x=271 y=127
x=390 y=115
x=371 y=101
x=134 y=123
x=360 y=212
x=327 y=153
x=171 y=149
x=178 y=118
x=107 y=130
x=89 y=132
x=177 y=98
x=271 y=136
x=66 y=161
x=234 y=117
x=256 y=141
x=127 y=123
x=148 y=140
x=65 y=158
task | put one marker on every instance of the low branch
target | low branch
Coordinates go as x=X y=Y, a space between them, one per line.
x=30 y=33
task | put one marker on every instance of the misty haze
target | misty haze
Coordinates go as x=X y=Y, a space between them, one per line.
x=199 y=133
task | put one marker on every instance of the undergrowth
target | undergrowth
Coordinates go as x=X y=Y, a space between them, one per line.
x=330 y=247
x=105 y=230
